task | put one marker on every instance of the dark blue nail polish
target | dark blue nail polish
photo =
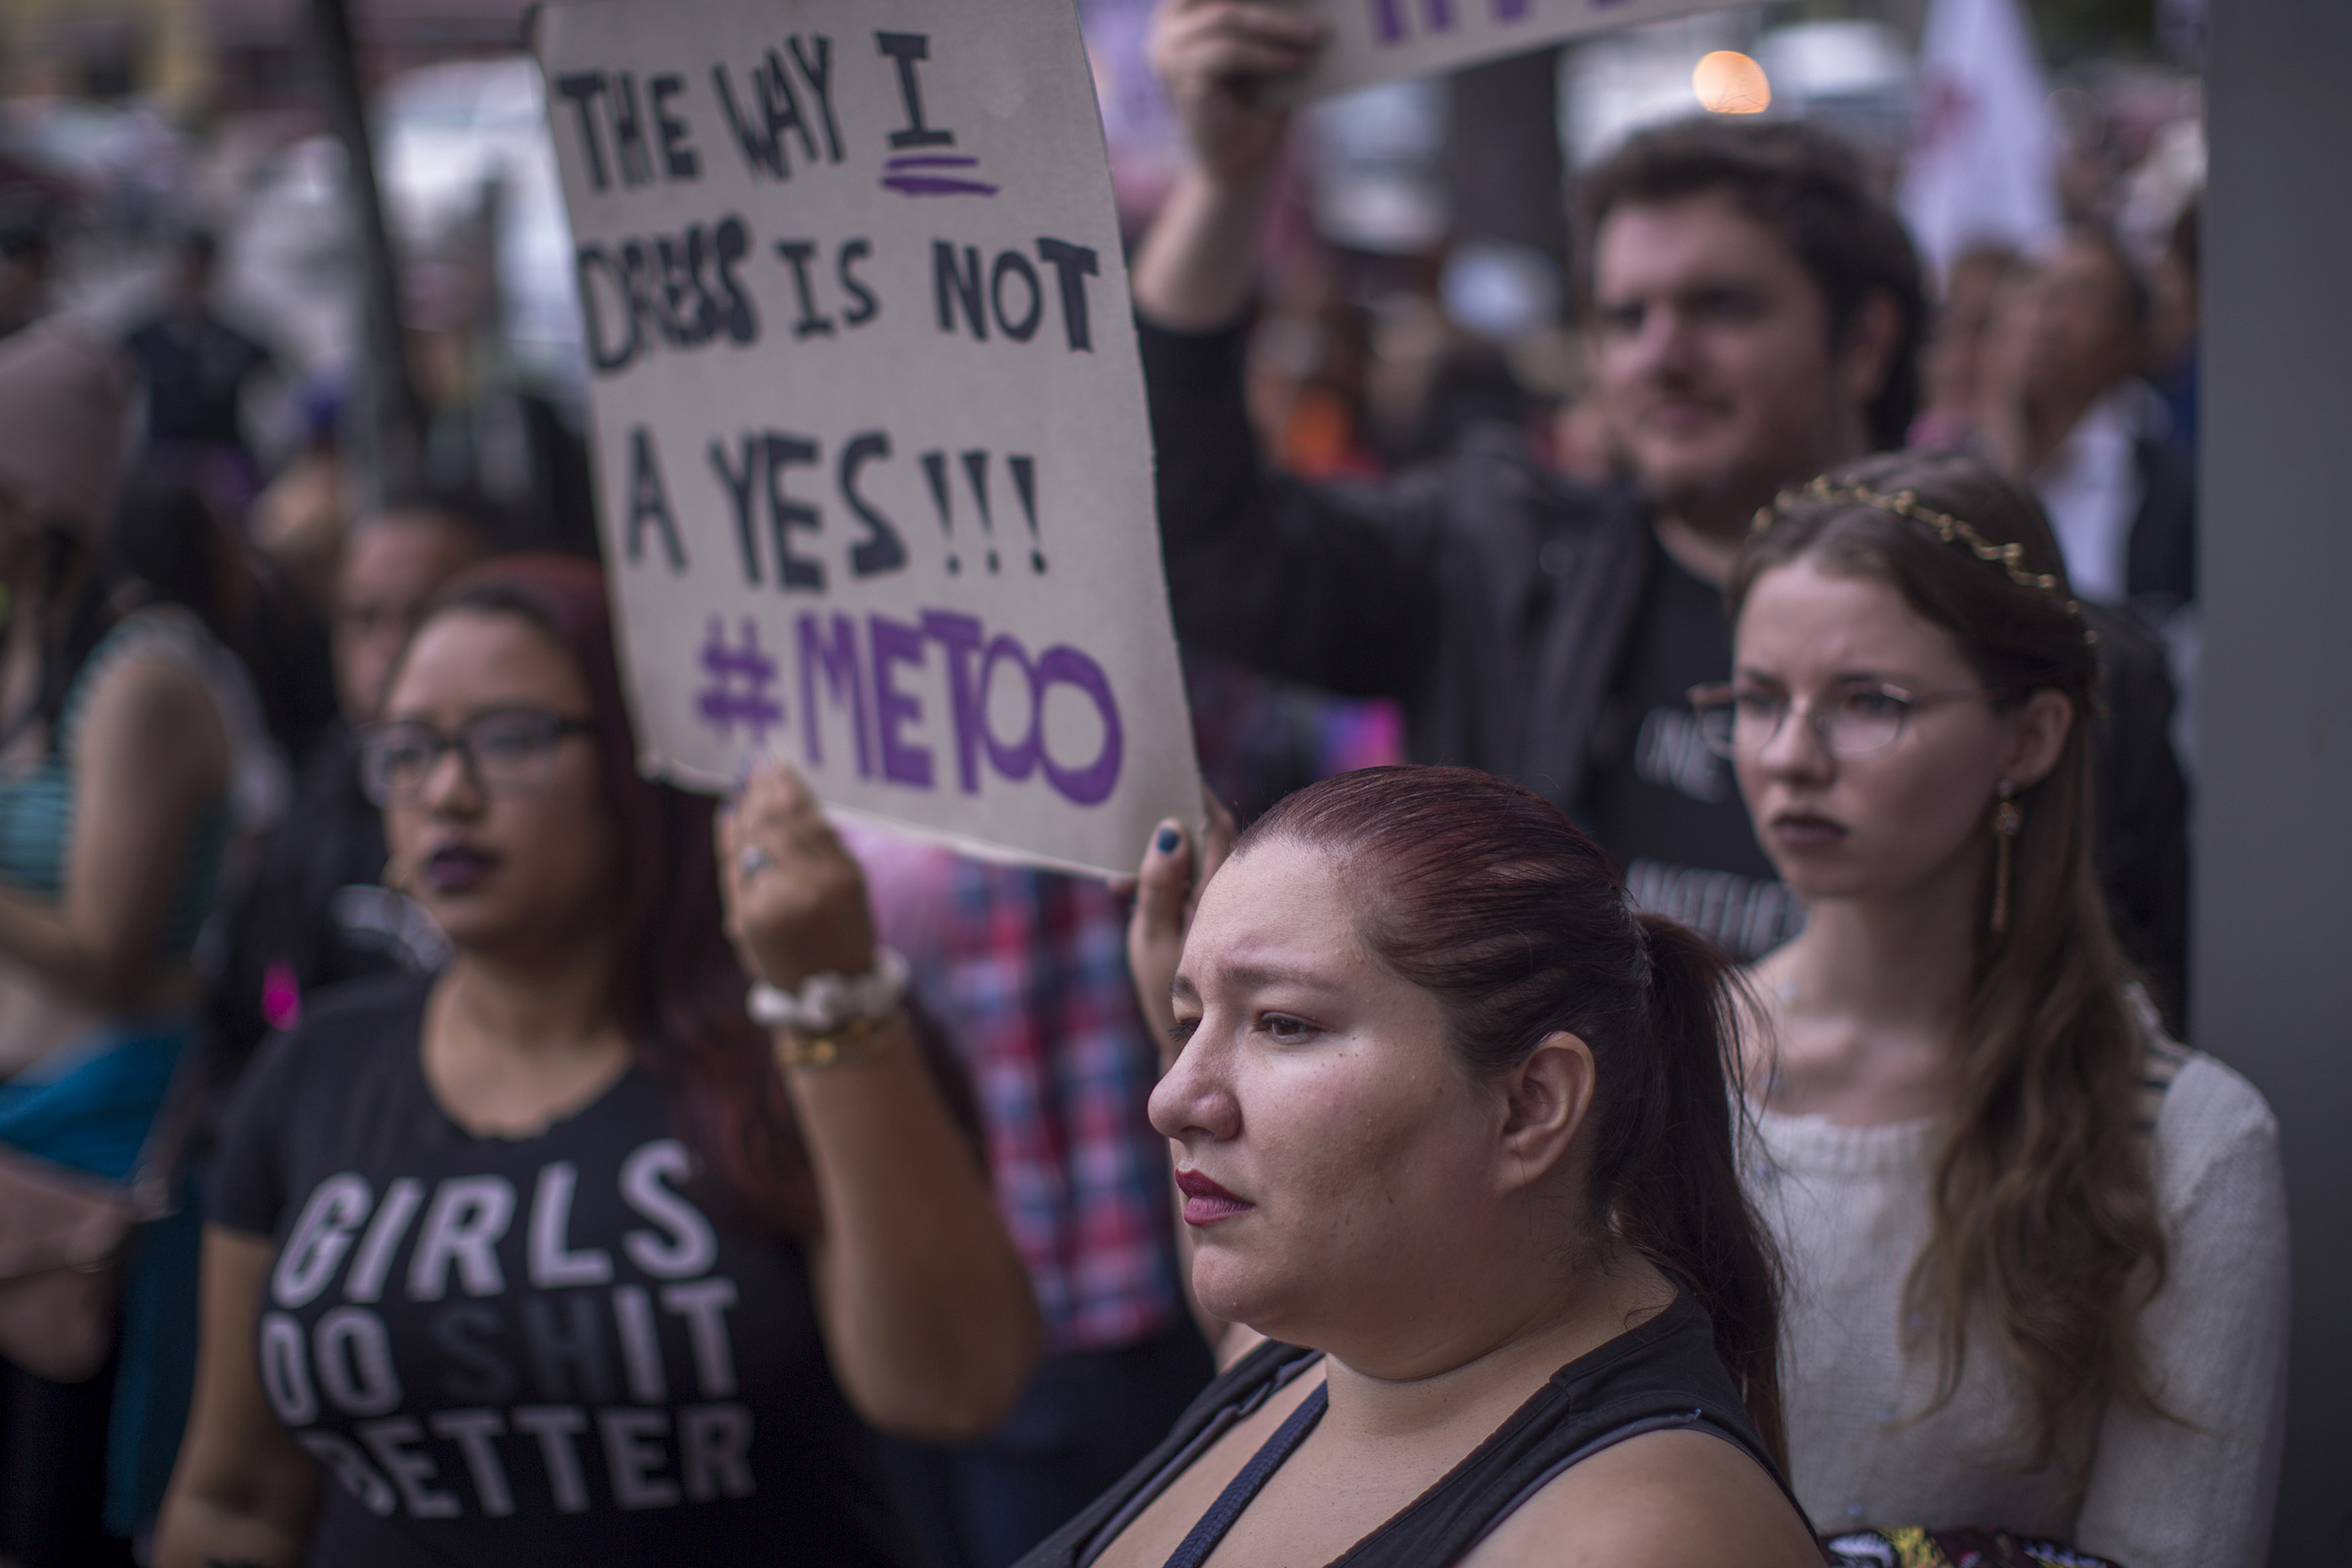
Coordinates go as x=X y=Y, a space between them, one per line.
x=1167 y=840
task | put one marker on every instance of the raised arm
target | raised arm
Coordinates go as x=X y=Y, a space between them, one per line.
x=242 y=1492
x=1333 y=588
x=1192 y=272
x=924 y=1303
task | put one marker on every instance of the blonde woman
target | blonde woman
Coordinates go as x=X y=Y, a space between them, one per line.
x=2036 y=1252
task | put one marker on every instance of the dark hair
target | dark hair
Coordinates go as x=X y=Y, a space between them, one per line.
x=2043 y=1206
x=167 y=536
x=459 y=506
x=80 y=616
x=1484 y=895
x=24 y=241
x=1804 y=184
x=2139 y=299
x=677 y=989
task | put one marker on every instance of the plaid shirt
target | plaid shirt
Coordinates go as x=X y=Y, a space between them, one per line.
x=1026 y=971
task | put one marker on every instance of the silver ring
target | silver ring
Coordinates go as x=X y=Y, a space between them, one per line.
x=752 y=860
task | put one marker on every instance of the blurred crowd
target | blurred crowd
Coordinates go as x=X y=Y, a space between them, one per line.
x=237 y=652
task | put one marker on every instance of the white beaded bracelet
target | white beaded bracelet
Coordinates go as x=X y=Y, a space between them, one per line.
x=828 y=1002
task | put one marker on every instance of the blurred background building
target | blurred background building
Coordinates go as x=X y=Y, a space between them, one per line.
x=1428 y=227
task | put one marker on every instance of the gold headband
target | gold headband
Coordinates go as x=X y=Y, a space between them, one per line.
x=2009 y=557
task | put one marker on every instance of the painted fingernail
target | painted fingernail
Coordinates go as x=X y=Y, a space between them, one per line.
x=1166 y=841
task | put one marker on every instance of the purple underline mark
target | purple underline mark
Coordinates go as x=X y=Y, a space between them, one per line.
x=910 y=185
x=929 y=185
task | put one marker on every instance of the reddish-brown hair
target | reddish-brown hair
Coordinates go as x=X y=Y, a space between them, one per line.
x=677 y=989
x=1484 y=895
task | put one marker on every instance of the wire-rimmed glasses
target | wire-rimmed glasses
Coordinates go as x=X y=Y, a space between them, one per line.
x=1738 y=719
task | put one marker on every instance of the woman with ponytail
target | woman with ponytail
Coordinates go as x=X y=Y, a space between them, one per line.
x=1455 y=1133
x=2036 y=1252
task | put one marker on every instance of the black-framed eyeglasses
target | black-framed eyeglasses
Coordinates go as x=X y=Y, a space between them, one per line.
x=507 y=751
x=1850 y=721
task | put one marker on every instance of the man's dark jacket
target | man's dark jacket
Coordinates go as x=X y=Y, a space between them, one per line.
x=1493 y=599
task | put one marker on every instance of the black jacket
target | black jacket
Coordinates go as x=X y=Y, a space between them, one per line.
x=1493 y=599
x=2160 y=559
x=1487 y=596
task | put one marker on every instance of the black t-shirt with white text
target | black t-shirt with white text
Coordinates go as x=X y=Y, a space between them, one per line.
x=527 y=1349
x=1658 y=800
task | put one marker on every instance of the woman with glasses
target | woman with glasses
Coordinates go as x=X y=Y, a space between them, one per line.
x=2036 y=1252
x=560 y=1256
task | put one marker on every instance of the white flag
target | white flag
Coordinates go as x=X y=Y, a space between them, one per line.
x=1983 y=166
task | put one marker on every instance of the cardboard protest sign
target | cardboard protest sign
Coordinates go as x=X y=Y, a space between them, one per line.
x=1368 y=41
x=875 y=474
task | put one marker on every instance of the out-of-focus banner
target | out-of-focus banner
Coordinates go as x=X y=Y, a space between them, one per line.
x=874 y=472
x=1369 y=41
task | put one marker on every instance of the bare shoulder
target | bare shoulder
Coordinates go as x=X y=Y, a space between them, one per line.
x=1665 y=1499
x=146 y=687
x=146 y=711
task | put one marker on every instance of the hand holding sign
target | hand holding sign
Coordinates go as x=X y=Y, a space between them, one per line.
x=1216 y=57
x=1176 y=867
x=1230 y=65
x=795 y=898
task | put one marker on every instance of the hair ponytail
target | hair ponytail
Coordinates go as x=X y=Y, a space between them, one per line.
x=1679 y=1200
x=1484 y=895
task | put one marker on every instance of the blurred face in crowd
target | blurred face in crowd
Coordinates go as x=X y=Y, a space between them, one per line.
x=1952 y=367
x=2077 y=334
x=392 y=568
x=510 y=852
x=1714 y=359
x=191 y=276
x=1913 y=811
x=1339 y=1163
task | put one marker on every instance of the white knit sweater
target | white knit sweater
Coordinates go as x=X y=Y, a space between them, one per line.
x=1849 y=1207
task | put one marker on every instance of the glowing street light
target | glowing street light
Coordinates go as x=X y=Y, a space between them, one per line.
x=1728 y=83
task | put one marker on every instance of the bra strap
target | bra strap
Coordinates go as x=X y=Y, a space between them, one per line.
x=1244 y=1488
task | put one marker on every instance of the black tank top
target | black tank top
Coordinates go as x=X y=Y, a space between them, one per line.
x=1661 y=1375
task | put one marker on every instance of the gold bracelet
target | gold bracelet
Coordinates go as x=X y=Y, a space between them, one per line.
x=853 y=1041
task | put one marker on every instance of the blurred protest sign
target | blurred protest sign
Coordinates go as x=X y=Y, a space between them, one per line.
x=1369 y=41
x=873 y=471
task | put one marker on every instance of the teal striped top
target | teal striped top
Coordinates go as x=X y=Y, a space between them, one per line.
x=36 y=804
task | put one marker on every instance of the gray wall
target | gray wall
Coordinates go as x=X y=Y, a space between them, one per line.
x=2274 y=900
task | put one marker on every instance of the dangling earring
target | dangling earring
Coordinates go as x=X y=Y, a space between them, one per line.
x=2007 y=819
